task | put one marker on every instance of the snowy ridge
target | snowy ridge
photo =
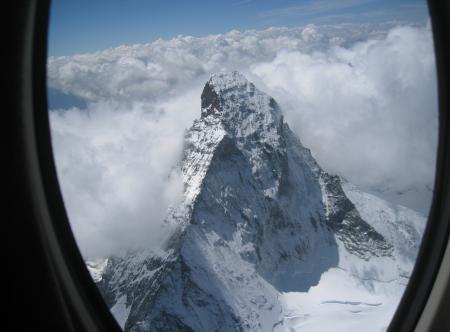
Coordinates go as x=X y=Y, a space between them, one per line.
x=263 y=235
x=402 y=227
x=96 y=268
x=201 y=141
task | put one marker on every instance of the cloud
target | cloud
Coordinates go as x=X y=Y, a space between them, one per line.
x=362 y=97
x=163 y=69
x=116 y=169
x=368 y=112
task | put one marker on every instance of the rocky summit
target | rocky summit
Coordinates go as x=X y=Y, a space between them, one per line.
x=262 y=234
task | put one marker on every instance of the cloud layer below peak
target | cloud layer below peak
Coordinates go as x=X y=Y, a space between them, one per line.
x=362 y=97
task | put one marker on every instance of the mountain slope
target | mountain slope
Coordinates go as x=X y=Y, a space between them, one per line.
x=261 y=228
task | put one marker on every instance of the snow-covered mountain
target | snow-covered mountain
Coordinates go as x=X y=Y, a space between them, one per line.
x=264 y=239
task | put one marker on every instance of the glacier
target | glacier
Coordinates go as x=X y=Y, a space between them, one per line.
x=263 y=239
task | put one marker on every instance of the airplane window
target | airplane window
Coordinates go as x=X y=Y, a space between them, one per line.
x=245 y=165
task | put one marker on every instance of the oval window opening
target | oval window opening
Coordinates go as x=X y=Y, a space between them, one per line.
x=244 y=165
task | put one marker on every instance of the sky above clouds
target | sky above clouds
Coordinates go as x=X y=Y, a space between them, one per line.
x=362 y=97
x=88 y=26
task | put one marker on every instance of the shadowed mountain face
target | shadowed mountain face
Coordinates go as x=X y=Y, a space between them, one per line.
x=259 y=217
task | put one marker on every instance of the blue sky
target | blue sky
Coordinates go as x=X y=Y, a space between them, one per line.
x=87 y=26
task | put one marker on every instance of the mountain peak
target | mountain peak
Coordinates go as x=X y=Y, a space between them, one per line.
x=240 y=106
x=260 y=224
x=224 y=81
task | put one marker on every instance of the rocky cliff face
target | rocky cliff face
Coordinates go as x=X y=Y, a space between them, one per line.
x=259 y=219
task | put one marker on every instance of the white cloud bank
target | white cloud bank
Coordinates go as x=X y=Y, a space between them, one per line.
x=362 y=97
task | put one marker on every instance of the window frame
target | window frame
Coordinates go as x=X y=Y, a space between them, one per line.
x=60 y=289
